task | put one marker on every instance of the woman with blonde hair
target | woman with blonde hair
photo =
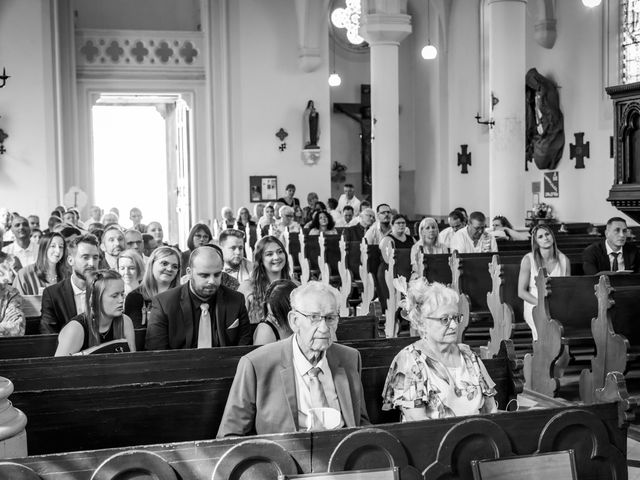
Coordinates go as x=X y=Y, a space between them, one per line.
x=436 y=377
x=103 y=320
x=428 y=241
x=131 y=268
x=162 y=273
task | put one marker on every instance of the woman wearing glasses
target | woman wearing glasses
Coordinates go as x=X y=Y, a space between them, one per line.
x=436 y=377
x=199 y=235
x=160 y=275
x=544 y=254
x=103 y=320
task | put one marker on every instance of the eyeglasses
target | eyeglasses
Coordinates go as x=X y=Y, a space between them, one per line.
x=385 y=212
x=446 y=320
x=315 y=318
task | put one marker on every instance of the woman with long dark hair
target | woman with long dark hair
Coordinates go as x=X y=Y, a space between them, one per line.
x=103 y=320
x=270 y=263
x=50 y=266
x=277 y=306
x=544 y=254
x=161 y=275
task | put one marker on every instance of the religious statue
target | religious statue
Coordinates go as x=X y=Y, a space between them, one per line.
x=545 y=122
x=311 y=126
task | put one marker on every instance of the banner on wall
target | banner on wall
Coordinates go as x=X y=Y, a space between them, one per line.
x=551 y=185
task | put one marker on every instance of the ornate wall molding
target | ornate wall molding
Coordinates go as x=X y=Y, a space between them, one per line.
x=102 y=53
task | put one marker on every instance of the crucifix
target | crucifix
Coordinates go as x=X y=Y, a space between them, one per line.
x=580 y=150
x=361 y=113
x=464 y=158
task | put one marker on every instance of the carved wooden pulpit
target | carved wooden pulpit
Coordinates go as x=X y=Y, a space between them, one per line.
x=625 y=192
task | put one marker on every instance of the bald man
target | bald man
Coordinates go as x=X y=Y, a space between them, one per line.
x=201 y=313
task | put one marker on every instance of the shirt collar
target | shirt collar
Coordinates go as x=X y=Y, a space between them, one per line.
x=301 y=363
x=611 y=250
x=76 y=290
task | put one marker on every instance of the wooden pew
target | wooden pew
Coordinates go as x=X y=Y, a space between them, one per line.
x=33 y=346
x=437 y=269
x=616 y=333
x=145 y=411
x=434 y=449
x=566 y=306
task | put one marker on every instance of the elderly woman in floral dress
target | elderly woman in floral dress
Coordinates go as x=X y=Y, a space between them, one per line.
x=436 y=377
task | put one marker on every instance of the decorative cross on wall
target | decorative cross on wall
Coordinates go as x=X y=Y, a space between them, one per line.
x=4 y=77
x=282 y=134
x=580 y=150
x=464 y=158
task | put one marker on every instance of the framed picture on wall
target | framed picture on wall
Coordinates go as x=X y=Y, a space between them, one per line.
x=263 y=188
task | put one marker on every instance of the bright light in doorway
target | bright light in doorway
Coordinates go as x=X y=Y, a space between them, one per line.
x=130 y=164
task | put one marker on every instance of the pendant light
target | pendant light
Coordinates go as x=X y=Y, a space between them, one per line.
x=334 y=78
x=429 y=52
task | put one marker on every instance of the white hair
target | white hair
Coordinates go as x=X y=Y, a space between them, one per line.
x=322 y=289
x=424 y=298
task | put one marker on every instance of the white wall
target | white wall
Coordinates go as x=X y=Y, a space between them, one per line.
x=268 y=92
x=27 y=170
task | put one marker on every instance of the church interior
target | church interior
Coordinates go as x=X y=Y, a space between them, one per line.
x=526 y=109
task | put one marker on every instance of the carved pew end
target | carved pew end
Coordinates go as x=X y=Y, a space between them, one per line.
x=13 y=438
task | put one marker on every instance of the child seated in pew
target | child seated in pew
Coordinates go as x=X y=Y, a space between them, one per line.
x=12 y=321
x=436 y=377
x=103 y=321
x=544 y=254
x=277 y=306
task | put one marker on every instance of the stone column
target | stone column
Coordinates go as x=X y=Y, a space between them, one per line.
x=13 y=438
x=384 y=24
x=507 y=83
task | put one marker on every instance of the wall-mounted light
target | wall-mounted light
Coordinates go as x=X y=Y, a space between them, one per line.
x=429 y=52
x=591 y=3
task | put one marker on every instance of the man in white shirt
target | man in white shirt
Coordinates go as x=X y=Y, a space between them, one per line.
x=66 y=299
x=348 y=198
x=22 y=248
x=347 y=219
x=307 y=369
x=382 y=227
x=456 y=222
x=474 y=238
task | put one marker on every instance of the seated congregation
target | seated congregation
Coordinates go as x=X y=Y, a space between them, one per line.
x=301 y=300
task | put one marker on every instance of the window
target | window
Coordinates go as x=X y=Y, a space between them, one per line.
x=630 y=41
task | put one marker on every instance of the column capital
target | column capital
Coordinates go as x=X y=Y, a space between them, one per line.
x=384 y=28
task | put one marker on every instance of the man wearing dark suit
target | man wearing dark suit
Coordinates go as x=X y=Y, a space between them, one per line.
x=201 y=313
x=355 y=233
x=64 y=300
x=611 y=254
x=277 y=385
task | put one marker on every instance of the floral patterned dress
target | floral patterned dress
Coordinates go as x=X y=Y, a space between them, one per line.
x=12 y=321
x=416 y=380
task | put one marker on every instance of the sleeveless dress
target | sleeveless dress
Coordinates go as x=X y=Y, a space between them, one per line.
x=560 y=270
x=104 y=337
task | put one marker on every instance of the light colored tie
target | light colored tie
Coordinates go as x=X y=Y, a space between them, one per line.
x=204 y=330
x=318 y=397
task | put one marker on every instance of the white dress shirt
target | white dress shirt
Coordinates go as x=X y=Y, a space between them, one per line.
x=620 y=257
x=344 y=201
x=79 y=297
x=463 y=243
x=27 y=256
x=303 y=395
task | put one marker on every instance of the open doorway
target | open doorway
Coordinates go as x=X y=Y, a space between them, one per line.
x=141 y=158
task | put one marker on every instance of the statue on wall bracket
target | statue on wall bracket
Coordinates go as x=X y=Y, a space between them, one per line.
x=545 y=122
x=311 y=127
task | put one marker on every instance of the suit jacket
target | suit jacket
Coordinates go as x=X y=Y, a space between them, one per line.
x=58 y=306
x=263 y=395
x=595 y=258
x=170 y=323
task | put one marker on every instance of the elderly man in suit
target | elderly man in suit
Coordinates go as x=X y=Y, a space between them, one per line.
x=277 y=384
x=201 y=313
x=611 y=254
x=66 y=299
